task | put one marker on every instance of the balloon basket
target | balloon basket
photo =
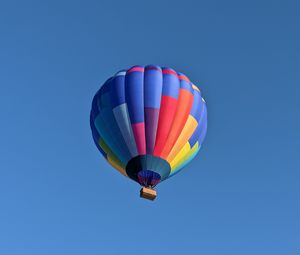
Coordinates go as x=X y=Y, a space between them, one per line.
x=148 y=193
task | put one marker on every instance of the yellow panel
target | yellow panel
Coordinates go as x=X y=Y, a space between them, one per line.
x=108 y=151
x=185 y=156
x=184 y=136
x=117 y=166
x=185 y=149
x=103 y=146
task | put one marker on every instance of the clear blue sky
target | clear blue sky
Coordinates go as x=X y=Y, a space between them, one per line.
x=240 y=196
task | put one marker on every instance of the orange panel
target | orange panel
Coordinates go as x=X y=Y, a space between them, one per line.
x=185 y=135
x=184 y=106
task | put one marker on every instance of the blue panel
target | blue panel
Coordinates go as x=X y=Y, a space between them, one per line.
x=95 y=109
x=203 y=118
x=95 y=133
x=134 y=94
x=171 y=84
x=110 y=122
x=118 y=89
x=106 y=87
x=186 y=85
x=197 y=105
x=203 y=125
x=96 y=137
x=152 y=86
x=111 y=142
x=122 y=118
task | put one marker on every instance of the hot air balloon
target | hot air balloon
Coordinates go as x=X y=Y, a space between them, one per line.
x=148 y=122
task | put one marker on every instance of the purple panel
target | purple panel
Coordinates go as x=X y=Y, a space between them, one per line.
x=151 y=121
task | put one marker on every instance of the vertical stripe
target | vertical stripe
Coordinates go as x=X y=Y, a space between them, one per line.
x=134 y=94
x=152 y=98
x=139 y=135
x=118 y=89
x=203 y=125
x=120 y=111
x=151 y=122
x=122 y=118
x=170 y=92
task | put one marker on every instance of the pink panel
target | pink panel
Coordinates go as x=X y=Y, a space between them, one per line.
x=139 y=135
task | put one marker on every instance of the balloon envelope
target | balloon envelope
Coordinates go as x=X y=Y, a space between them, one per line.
x=148 y=122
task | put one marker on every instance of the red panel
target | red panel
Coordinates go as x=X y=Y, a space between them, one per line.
x=184 y=106
x=166 y=116
x=139 y=136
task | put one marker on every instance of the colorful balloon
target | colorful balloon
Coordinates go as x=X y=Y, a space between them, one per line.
x=148 y=122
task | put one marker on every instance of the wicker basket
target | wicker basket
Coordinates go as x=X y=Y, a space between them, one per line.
x=148 y=193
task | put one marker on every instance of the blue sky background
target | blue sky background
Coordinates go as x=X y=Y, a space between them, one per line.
x=241 y=195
